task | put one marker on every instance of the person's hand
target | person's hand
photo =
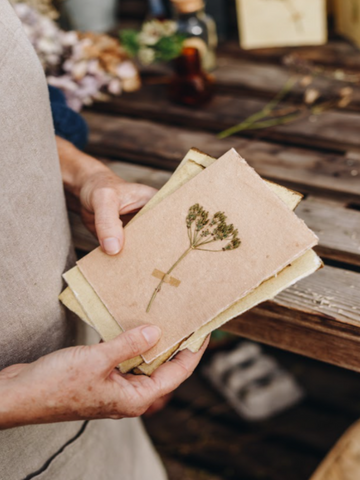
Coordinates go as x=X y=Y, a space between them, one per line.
x=104 y=196
x=82 y=382
x=158 y=405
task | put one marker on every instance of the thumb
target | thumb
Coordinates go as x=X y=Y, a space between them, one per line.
x=108 y=225
x=130 y=344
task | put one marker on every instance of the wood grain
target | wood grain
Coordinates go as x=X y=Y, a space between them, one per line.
x=265 y=80
x=155 y=144
x=318 y=317
x=337 y=227
x=336 y=54
x=330 y=295
x=332 y=130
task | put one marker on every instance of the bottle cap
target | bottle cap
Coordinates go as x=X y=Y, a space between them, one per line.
x=188 y=6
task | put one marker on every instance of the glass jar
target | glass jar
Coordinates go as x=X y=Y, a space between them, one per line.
x=190 y=85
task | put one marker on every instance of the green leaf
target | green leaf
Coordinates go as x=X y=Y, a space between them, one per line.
x=130 y=41
x=168 y=48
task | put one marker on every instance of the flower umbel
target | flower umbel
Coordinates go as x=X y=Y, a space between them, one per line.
x=157 y=41
x=203 y=231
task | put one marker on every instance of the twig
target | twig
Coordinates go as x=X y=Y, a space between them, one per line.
x=265 y=112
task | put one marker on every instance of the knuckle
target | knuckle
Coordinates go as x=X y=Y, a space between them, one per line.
x=185 y=371
x=104 y=194
x=100 y=358
x=132 y=343
x=104 y=223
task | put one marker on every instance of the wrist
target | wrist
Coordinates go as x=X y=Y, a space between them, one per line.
x=13 y=408
x=76 y=166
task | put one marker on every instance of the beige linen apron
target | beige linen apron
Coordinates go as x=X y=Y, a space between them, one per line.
x=35 y=248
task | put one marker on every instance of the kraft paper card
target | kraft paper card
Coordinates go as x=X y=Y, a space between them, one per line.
x=276 y=23
x=205 y=270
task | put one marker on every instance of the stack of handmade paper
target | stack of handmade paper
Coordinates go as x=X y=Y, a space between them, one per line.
x=214 y=242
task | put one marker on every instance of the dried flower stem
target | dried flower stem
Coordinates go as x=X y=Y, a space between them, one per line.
x=158 y=288
x=277 y=121
x=250 y=122
x=203 y=231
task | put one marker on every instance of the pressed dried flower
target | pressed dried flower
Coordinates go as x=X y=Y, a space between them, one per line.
x=202 y=233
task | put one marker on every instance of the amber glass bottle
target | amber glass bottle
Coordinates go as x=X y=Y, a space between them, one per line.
x=190 y=85
x=199 y=28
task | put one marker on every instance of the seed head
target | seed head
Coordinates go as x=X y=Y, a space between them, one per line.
x=216 y=228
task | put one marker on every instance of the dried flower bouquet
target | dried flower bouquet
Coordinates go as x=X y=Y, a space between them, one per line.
x=85 y=66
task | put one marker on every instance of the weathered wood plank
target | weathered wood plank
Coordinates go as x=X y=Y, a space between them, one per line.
x=318 y=317
x=262 y=80
x=326 y=302
x=233 y=453
x=338 y=229
x=266 y=80
x=332 y=130
x=139 y=174
x=338 y=54
x=313 y=426
x=331 y=292
x=164 y=146
x=176 y=470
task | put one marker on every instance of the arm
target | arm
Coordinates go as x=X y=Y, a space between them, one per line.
x=81 y=383
x=103 y=195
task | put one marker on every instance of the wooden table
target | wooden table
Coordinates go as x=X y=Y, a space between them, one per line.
x=145 y=137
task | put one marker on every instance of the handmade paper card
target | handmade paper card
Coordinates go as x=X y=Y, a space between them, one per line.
x=197 y=252
x=274 y=23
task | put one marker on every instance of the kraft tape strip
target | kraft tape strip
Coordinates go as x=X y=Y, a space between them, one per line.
x=174 y=282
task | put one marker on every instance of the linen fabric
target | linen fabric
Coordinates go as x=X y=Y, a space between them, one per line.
x=35 y=246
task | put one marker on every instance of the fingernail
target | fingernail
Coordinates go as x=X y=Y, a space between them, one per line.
x=111 y=245
x=151 y=333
